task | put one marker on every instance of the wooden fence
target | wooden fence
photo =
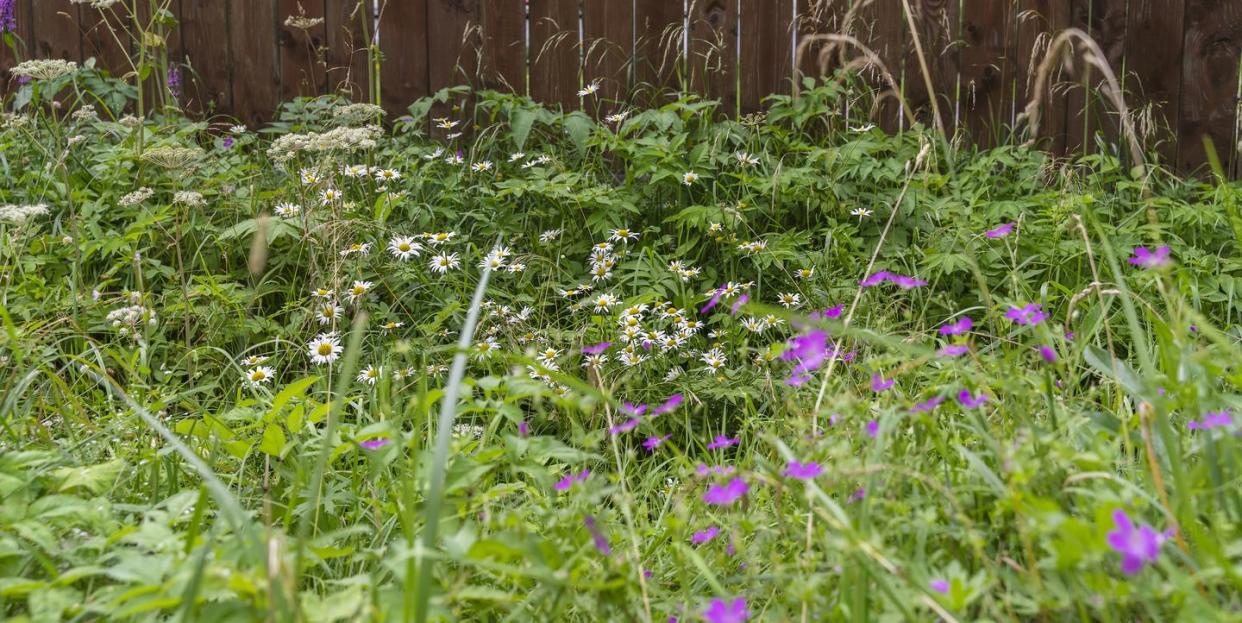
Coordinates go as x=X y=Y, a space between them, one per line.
x=1176 y=60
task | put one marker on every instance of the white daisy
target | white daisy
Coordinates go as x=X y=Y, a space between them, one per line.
x=589 y=89
x=329 y=195
x=445 y=262
x=325 y=348
x=387 y=175
x=369 y=374
x=259 y=375
x=404 y=247
x=789 y=299
x=328 y=313
x=359 y=290
x=689 y=177
x=288 y=210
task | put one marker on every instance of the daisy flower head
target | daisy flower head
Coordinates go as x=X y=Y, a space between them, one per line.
x=369 y=374
x=492 y=261
x=622 y=234
x=253 y=360
x=714 y=359
x=789 y=300
x=325 y=348
x=744 y=159
x=481 y=166
x=330 y=195
x=359 y=290
x=445 y=262
x=617 y=117
x=689 y=177
x=357 y=248
x=387 y=175
x=404 y=247
x=589 y=89
x=322 y=293
x=550 y=235
x=444 y=123
x=805 y=274
x=356 y=170
x=259 y=375
x=328 y=312
x=605 y=302
x=309 y=176
x=860 y=212
x=287 y=210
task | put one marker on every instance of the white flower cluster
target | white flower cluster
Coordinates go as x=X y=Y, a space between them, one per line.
x=189 y=198
x=19 y=214
x=98 y=4
x=136 y=197
x=131 y=318
x=45 y=68
x=357 y=114
x=286 y=147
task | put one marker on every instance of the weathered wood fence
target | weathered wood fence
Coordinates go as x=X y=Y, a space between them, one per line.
x=1176 y=60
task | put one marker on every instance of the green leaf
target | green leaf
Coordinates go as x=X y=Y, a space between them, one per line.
x=274 y=441
x=521 y=122
x=579 y=127
x=94 y=478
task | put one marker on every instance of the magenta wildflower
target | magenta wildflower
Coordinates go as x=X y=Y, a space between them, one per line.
x=1030 y=314
x=1048 y=353
x=873 y=428
x=1000 y=232
x=803 y=471
x=878 y=384
x=718 y=470
x=1137 y=546
x=962 y=325
x=858 y=494
x=597 y=349
x=927 y=405
x=715 y=300
x=570 y=479
x=970 y=402
x=1145 y=258
x=630 y=408
x=1211 y=419
x=940 y=586
x=625 y=426
x=953 y=350
x=809 y=350
x=654 y=442
x=173 y=79
x=720 y=611
x=673 y=402
x=741 y=300
x=375 y=444
x=601 y=541
x=523 y=428
x=721 y=441
x=8 y=15
x=901 y=281
x=703 y=536
x=227 y=142
x=830 y=313
x=727 y=494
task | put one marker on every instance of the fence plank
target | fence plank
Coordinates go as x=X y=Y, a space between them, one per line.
x=554 y=63
x=1038 y=21
x=403 y=73
x=301 y=72
x=880 y=27
x=1213 y=42
x=347 y=49
x=503 y=57
x=257 y=74
x=1153 y=53
x=988 y=69
x=106 y=37
x=659 y=51
x=937 y=24
x=209 y=65
x=713 y=51
x=55 y=27
x=608 y=46
x=1087 y=112
x=765 y=50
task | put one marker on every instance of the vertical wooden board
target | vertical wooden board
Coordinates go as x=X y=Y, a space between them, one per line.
x=403 y=72
x=1087 y=113
x=659 y=26
x=1038 y=21
x=301 y=72
x=346 y=54
x=554 y=48
x=935 y=23
x=256 y=81
x=502 y=60
x=765 y=50
x=452 y=56
x=106 y=37
x=1153 y=53
x=208 y=71
x=1213 y=42
x=55 y=27
x=816 y=57
x=881 y=27
x=988 y=69
x=713 y=51
x=608 y=47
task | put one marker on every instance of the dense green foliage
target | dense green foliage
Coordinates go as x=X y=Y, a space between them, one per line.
x=171 y=261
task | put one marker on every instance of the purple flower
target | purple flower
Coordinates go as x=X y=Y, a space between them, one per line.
x=1048 y=353
x=654 y=442
x=1030 y=314
x=720 y=611
x=809 y=350
x=940 y=586
x=830 y=313
x=630 y=408
x=971 y=402
x=1136 y=546
x=8 y=15
x=718 y=470
x=741 y=300
x=953 y=350
x=625 y=426
x=873 y=428
x=699 y=538
x=927 y=405
x=1143 y=258
x=962 y=325
x=570 y=479
x=715 y=300
x=893 y=278
x=803 y=471
x=878 y=384
x=375 y=444
x=673 y=402
x=722 y=441
x=228 y=142
x=601 y=541
x=1211 y=419
x=597 y=349
x=727 y=494
x=174 y=85
x=523 y=428
x=999 y=232
x=858 y=494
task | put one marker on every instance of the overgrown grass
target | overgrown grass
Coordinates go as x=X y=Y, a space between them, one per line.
x=148 y=473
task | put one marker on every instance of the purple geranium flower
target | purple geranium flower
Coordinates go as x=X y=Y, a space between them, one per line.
x=1137 y=546
x=523 y=428
x=722 y=441
x=940 y=586
x=999 y=232
x=809 y=350
x=375 y=444
x=721 y=611
x=898 y=280
x=1048 y=353
x=701 y=537
x=830 y=313
x=672 y=403
x=927 y=405
x=741 y=300
x=718 y=470
x=962 y=325
x=803 y=471
x=873 y=428
x=601 y=541
x=1144 y=258
x=597 y=349
x=654 y=442
x=878 y=384
x=715 y=300
x=727 y=494
x=1211 y=419
x=1030 y=314
x=858 y=494
x=625 y=426
x=953 y=350
x=570 y=479
x=970 y=402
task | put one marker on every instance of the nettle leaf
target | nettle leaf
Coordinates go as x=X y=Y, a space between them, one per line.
x=94 y=478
